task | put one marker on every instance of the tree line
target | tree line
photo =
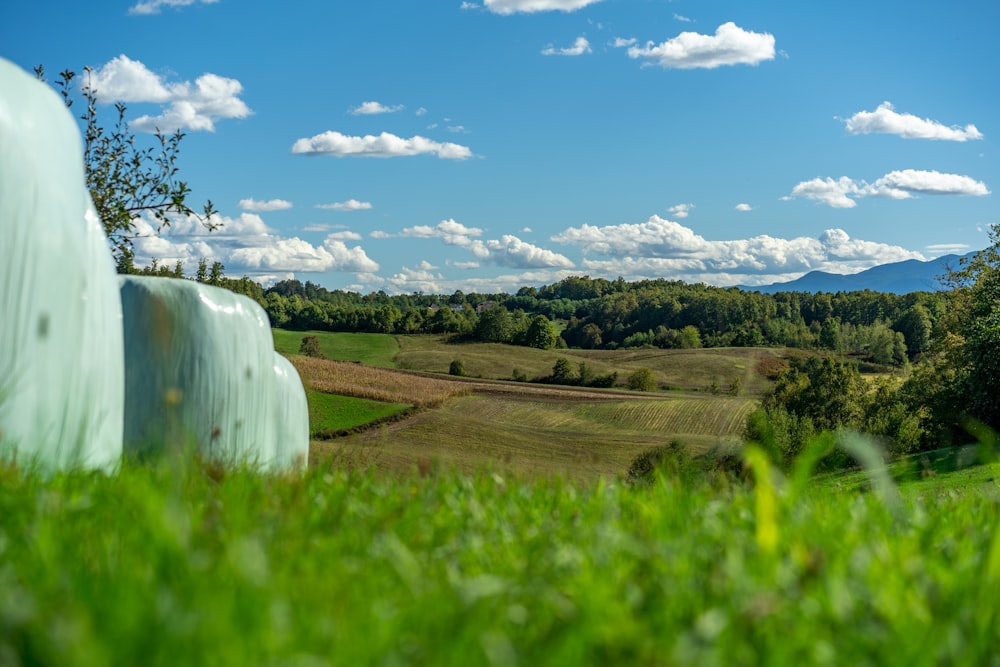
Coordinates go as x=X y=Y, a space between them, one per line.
x=594 y=313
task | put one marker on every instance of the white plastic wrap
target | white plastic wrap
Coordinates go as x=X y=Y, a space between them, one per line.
x=61 y=376
x=199 y=371
x=292 y=444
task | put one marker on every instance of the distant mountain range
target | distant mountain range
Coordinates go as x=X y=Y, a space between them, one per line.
x=904 y=277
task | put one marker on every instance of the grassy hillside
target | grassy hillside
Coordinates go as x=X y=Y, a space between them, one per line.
x=370 y=349
x=543 y=431
x=175 y=564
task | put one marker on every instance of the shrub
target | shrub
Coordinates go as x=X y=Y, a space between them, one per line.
x=456 y=368
x=641 y=380
x=310 y=347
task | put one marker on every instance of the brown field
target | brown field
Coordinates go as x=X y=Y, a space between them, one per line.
x=379 y=384
x=693 y=370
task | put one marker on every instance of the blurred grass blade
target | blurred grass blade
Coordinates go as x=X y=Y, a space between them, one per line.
x=765 y=501
x=866 y=452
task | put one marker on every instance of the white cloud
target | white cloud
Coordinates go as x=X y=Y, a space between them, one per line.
x=886 y=120
x=246 y=246
x=508 y=7
x=621 y=42
x=663 y=248
x=349 y=205
x=187 y=106
x=384 y=145
x=904 y=184
x=680 y=210
x=508 y=250
x=730 y=45
x=379 y=234
x=420 y=112
x=264 y=206
x=580 y=47
x=682 y=19
x=468 y=5
x=452 y=232
x=153 y=6
x=512 y=252
x=464 y=265
x=458 y=129
x=744 y=207
x=947 y=248
x=372 y=108
x=344 y=236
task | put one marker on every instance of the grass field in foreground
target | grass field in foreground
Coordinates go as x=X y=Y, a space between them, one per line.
x=178 y=565
x=371 y=349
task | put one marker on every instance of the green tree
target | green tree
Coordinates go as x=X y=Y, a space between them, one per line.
x=690 y=338
x=540 y=333
x=562 y=373
x=495 y=325
x=310 y=347
x=125 y=179
x=641 y=380
x=456 y=368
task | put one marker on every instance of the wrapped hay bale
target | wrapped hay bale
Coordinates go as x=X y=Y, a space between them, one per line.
x=61 y=375
x=292 y=444
x=199 y=372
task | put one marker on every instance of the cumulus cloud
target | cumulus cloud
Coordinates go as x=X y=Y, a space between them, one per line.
x=349 y=205
x=580 y=47
x=508 y=250
x=680 y=210
x=452 y=232
x=185 y=105
x=744 y=207
x=384 y=145
x=246 y=246
x=903 y=184
x=507 y=7
x=730 y=45
x=264 y=206
x=372 y=108
x=621 y=42
x=886 y=120
x=663 y=248
x=153 y=6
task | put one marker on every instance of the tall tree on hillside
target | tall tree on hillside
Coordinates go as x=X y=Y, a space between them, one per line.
x=976 y=317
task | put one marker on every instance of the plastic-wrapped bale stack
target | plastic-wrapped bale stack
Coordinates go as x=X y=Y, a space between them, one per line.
x=61 y=376
x=292 y=444
x=199 y=372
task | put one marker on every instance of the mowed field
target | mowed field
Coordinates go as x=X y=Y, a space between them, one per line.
x=434 y=420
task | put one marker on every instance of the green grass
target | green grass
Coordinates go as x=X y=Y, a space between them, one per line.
x=329 y=413
x=370 y=349
x=176 y=564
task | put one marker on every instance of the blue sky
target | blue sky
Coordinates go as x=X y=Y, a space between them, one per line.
x=433 y=146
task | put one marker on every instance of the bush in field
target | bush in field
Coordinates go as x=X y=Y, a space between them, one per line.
x=561 y=372
x=673 y=460
x=457 y=368
x=310 y=347
x=641 y=380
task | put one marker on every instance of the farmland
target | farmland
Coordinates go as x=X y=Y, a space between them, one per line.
x=483 y=419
